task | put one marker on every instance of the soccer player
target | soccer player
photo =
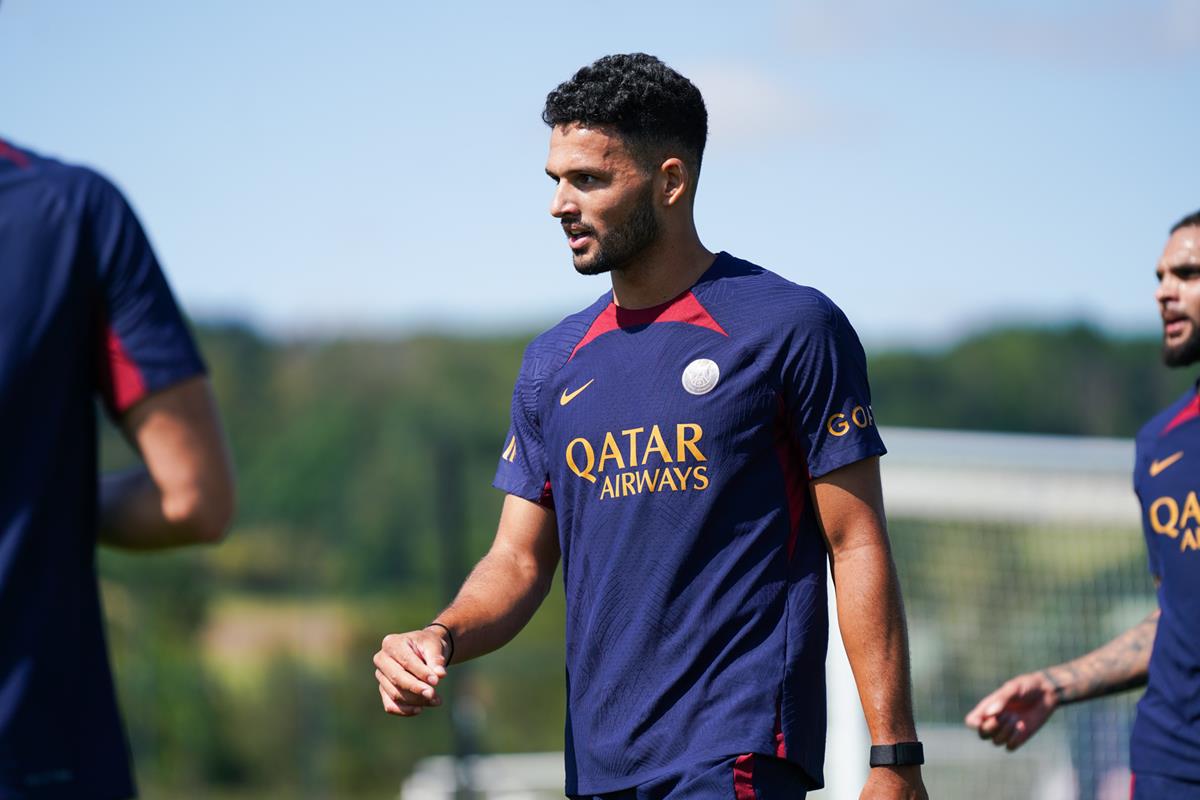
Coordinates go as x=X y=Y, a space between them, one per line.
x=85 y=312
x=696 y=445
x=1162 y=652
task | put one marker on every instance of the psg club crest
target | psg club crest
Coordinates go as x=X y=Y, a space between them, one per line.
x=701 y=376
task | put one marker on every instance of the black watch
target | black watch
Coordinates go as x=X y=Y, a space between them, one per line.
x=902 y=754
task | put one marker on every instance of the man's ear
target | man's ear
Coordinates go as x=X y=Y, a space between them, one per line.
x=674 y=180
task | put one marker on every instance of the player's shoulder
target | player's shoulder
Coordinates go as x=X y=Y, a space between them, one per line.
x=86 y=185
x=1160 y=422
x=752 y=296
x=552 y=348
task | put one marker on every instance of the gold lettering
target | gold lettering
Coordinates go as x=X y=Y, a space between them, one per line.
x=667 y=479
x=631 y=434
x=1191 y=510
x=701 y=476
x=682 y=476
x=1189 y=541
x=837 y=424
x=655 y=444
x=647 y=480
x=628 y=484
x=610 y=452
x=583 y=472
x=1171 y=526
x=858 y=412
x=607 y=488
x=685 y=442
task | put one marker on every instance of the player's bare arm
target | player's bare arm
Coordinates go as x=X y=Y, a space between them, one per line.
x=495 y=602
x=185 y=492
x=849 y=505
x=1119 y=665
x=1016 y=711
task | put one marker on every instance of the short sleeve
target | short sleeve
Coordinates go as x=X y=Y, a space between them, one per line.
x=523 y=470
x=145 y=344
x=826 y=391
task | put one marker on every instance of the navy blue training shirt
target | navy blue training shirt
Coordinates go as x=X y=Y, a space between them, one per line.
x=84 y=312
x=676 y=445
x=1166 y=733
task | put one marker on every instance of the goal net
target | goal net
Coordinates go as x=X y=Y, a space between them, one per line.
x=1014 y=552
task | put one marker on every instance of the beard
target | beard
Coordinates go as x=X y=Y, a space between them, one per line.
x=623 y=243
x=1186 y=352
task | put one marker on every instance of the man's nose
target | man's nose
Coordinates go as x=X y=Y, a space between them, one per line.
x=562 y=204
x=1167 y=289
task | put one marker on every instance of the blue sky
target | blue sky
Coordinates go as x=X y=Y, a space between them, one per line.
x=377 y=166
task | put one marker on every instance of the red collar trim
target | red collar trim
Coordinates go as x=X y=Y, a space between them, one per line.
x=685 y=308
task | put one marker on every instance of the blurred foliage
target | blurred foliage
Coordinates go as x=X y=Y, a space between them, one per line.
x=245 y=669
x=1066 y=380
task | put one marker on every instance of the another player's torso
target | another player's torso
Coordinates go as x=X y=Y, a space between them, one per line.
x=67 y=743
x=679 y=497
x=1167 y=478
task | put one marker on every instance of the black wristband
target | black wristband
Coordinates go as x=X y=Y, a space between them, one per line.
x=1060 y=694
x=901 y=754
x=449 y=638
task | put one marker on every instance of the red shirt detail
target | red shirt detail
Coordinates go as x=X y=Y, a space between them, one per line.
x=780 y=744
x=795 y=475
x=743 y=778
x=1188 y=412
x=122 y=380
x=685 y=308
x=11 y=154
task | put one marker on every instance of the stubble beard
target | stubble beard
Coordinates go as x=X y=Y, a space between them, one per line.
x=625 y=243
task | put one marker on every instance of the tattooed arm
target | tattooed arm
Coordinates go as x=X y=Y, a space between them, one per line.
x=1015 y=711
x=1119 y=665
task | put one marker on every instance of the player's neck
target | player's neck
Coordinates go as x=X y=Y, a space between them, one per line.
x=664 y=271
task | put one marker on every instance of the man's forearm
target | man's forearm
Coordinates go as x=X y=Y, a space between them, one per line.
x=133 y=515
x=871 y=619
x=1121 y=664
x=495 y=602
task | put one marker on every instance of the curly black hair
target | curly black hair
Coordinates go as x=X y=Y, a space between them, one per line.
x=1186 y=222
x=652 y=107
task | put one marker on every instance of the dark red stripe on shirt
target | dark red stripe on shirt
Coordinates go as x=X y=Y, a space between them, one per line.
x=121 y=378
x=1187 y=413
x=780 y=745
x=685 y=308
x=795 y=479
x=10 y=153
x=743 y=777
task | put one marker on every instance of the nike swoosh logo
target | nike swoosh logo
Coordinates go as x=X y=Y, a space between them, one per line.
x=1158 y=466
x=569 y=396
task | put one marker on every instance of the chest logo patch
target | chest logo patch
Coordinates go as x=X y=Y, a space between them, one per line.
x=1157 y=467
x=701 y=376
